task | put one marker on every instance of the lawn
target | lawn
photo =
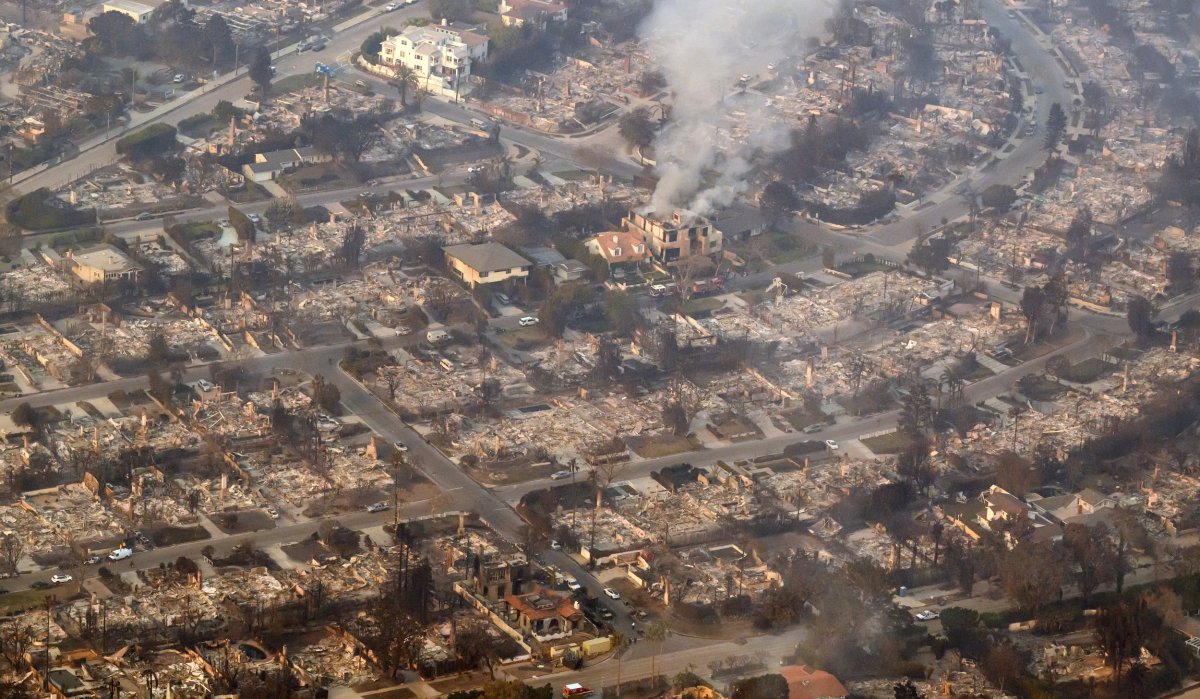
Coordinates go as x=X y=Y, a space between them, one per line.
x=1088 y=370
x=293 y=83
x=891 y=443
x=662 y=445
x=33 y=599
x=1040 y=388
x=703 y=305
x=524 y=339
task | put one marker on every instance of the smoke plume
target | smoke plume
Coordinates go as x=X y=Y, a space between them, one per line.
x=703 y=47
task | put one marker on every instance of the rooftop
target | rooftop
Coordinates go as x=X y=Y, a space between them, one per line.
x=107 y=258
x=486 y=257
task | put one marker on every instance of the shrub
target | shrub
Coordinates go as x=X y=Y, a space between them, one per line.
x=40 y=210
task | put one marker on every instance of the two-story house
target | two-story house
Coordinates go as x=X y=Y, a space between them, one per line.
x=485 y=263
x=440 y=55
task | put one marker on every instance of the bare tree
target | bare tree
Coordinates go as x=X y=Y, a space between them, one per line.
x=473 y=644
x=15 y=641
x=11 y=550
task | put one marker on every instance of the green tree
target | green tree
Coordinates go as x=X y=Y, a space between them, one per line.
x=1056 y=127
x=1140 y=315
x=778 y=199
x=260 y=70
x=772 y=686
x=450 y=10
x=656 y=633
x=245 y=228
x=998 y=196
x=637 y=127
x=1122 y=627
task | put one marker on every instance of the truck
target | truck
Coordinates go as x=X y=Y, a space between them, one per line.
x=703 y=287
x=661 y=290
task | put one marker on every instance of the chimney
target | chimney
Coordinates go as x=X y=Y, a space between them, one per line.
x=444 y=22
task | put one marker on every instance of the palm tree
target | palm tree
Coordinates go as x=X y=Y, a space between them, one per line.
x=953 y=383
x=618 y=641
x=405 y=76
x=658 y=633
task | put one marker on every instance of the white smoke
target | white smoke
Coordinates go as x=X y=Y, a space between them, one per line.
x=703 y=47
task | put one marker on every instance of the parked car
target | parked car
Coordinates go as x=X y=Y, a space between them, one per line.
x=613 y=594
x=120 y=554
x=93 y=560
x=145 y=216
x=379 y=507
x=928 y=615
x=813 y=428
x=831 y=443
x=254 y=218
x=555 y=545
x=179 y=77
x=575 y=690
x=272 y=511
x=391 y=7
x=361 y=83
x=40 y=585
x=400 y=445
x=60 y=578
x=527 y=321
x=503 y=298
x=560 y=475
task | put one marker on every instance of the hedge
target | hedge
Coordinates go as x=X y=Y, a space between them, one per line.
x=153 y=140
x=40 y=211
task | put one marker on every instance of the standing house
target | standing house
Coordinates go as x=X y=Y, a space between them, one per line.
x=268 y=166
x=486 y=263
x=139 y=12
x=544 y=612
x=440 y=55
x=103 y=263
x=620 y=249
x=518 y=13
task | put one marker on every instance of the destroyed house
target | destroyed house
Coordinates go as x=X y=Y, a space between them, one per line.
x=496 y=576
x=676 y=237
x=677 y=476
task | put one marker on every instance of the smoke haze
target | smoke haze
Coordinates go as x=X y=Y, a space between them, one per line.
x=702 y=48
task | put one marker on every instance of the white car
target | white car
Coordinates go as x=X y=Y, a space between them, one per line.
x=378 y=507
x=556 y=545
x=527 y=321
x=399 y=445
x=831 y=443
x=60 y=578
x=274 y=513
x=403 y=330
x=392 y=7
x=928 y=615
x=559 y=475
x=179 y=77
x=612 y=593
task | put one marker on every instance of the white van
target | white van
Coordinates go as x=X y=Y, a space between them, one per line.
x=120 y=554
